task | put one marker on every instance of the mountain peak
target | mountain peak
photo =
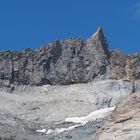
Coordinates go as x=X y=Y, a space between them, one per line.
x=98 y=34
x=99 y=41
x=100 y=29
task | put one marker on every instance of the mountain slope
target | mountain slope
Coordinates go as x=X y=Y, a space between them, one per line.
x=29 y=109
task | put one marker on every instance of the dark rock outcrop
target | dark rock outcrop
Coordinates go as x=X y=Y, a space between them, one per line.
x=66 y=62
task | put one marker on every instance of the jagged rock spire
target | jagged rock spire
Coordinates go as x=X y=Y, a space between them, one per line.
x=99 y=41
x=97 y=35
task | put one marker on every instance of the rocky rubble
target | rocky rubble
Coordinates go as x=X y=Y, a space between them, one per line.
x=66 y=62
x=124 y=123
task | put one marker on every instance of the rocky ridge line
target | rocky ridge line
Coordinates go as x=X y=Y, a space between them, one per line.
x=66 y=62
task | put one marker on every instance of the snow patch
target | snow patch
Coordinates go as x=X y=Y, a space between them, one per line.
x=93 y=116
x=61 y=130
x=41 y=131
x=80 y=121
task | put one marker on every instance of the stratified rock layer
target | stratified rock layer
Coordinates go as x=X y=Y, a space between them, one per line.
x=66 y=62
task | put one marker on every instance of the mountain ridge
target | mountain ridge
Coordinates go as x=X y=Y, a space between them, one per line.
x=67 y=61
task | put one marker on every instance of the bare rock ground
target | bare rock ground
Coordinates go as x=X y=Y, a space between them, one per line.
x=124 y=123
x=25 y=111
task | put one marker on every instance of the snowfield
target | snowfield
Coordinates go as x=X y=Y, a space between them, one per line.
x=93 y=116
x=61 y=130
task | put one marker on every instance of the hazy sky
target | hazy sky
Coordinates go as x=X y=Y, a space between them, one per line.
x=32 y=23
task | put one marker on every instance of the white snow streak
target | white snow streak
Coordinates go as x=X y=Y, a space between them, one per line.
x=93 y=116
x=61 y=130
x=41 y=131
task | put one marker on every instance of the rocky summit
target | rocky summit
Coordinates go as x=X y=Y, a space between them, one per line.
x=70 y=90
x=66 y=62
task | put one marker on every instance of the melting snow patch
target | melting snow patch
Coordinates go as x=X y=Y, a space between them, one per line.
x=80 y=121
x=61 y=130
x=93 y=116
x=41 y=131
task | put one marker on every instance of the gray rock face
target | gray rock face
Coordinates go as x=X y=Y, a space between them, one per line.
x=135 y=65
x=66 y=62
x=94 y=58
x=117 y=65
